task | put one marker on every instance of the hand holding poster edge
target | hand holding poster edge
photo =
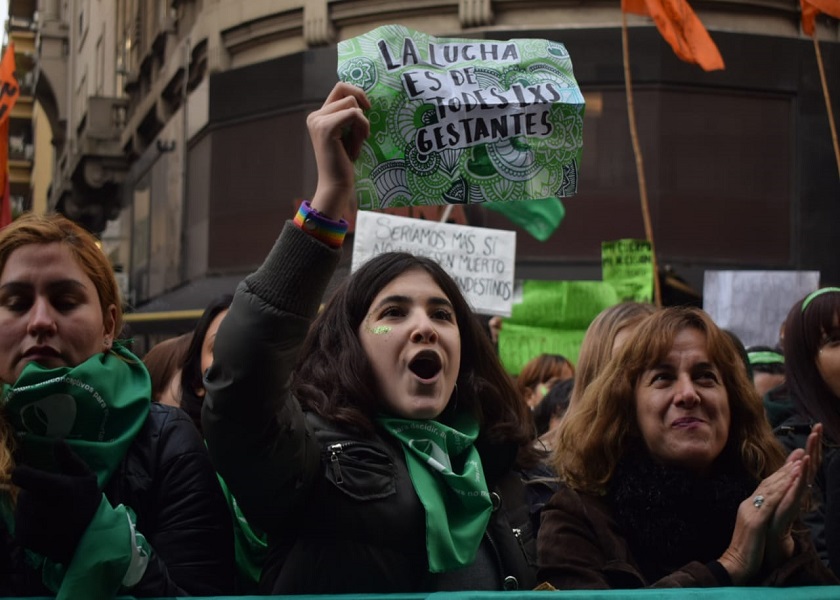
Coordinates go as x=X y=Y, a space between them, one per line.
x=463 y=121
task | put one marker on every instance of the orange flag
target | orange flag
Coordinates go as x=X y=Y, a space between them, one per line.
x=811 y=8
x=9 y=89
x=682 y=29
x=9 y=92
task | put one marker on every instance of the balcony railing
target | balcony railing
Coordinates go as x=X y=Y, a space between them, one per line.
x=20 y=148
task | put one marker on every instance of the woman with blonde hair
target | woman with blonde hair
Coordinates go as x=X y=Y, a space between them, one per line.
x=671 y=474
x=106 y=492
x=604 y=336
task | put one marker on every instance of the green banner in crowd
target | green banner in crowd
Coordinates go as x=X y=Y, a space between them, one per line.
x=463 y=121
x=552 y=318
x=628 y=266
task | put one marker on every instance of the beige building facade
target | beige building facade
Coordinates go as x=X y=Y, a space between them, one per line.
x=178 y=129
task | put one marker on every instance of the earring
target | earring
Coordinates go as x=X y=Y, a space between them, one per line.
x=107 y=341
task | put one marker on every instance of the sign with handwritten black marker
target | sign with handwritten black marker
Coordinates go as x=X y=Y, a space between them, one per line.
x=481 y=260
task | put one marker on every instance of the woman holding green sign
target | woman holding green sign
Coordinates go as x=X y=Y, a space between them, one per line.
x=377 y=444
x=104 y=492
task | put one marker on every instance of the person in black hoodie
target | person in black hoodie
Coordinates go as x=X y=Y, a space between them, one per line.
x=104 y=492
x=380 y=444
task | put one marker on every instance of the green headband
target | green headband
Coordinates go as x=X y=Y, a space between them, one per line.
x=819 y=292
x=765 y=358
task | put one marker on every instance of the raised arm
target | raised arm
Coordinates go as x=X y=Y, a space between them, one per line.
x=255 y=430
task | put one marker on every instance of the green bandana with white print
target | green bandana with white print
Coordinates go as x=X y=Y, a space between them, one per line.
x=445 y=469
x=98 y=407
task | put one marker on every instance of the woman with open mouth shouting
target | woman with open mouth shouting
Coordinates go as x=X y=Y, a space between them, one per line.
x=379 y=444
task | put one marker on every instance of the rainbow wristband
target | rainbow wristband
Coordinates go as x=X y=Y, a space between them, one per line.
x=320 y=227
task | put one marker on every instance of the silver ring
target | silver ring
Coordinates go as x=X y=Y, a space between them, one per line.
x=758 y=501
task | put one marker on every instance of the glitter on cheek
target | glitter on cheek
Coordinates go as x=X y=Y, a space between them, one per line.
x=378 y=330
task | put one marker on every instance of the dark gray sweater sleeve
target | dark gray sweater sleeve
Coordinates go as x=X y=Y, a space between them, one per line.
x=255 y=429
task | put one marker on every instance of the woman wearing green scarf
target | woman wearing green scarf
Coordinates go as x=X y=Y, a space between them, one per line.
x=103 y=494
x=388 y=460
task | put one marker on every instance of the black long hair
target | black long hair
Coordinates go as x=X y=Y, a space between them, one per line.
x=192 y=379
x=335 y=379
x=805 y=329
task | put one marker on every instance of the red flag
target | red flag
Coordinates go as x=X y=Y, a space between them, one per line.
x=811 y=8
x=9 y=89
x=9 y=92
x=682 y=29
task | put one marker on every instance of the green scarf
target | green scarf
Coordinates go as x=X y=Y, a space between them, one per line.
x=98 y=407
x=250 y=545
x=445 y=469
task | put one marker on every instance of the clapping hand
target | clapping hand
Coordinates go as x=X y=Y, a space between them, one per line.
x=779 y=540
x=762 y=527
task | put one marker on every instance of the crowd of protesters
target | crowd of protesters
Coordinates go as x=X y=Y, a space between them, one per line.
x=375 y=443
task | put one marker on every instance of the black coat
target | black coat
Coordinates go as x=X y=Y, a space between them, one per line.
x=364 y=519
x=340 y=519
x=167 y=479
x=823 y=520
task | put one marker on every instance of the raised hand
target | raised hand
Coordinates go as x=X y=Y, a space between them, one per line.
x=337 y=131
x=779 y=541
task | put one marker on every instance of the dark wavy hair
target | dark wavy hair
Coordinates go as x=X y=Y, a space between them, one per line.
x=192 y=379
x=804 y=331
x=334 y=378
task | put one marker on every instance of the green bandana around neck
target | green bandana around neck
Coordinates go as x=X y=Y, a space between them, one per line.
x=98 y=407
x=445 y=469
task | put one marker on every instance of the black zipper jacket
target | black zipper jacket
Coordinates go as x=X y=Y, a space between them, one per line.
x=339 y=508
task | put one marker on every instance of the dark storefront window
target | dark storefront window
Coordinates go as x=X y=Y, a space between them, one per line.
x=718 y=167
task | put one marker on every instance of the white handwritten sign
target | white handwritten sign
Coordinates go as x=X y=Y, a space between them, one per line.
x=754 y=304
x=481 y=260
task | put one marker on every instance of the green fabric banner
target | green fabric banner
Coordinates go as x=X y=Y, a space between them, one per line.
x=627 y=265
x=540 y=218
x=552 y=318
x=459 y=121
x=446 y=471
x=825 y=592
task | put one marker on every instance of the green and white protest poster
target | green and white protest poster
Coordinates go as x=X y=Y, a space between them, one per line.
x=459 y=121
x=627 y=265
x=551 y=318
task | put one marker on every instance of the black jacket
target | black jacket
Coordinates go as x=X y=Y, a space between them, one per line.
x=823 y=520
x=167 y=479
x=339 y=508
